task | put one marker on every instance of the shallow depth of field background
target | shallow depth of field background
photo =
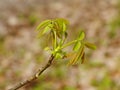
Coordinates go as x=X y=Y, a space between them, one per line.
x=21 y=53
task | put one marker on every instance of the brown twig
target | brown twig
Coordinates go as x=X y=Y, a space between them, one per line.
x=35 y=76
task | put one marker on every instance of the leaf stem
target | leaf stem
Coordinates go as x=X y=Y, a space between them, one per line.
x=68 y=44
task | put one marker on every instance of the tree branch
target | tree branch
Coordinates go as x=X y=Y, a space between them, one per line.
x=35 y=76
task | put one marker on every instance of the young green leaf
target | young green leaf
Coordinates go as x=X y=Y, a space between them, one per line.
x=90 y=45
x=81 y=35
x=46 y=30
x=61 y=20
x=77 y=46
x=43 y=24
x=64 y=27
x=61 y=24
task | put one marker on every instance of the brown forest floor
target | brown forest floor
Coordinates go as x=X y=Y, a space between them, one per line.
x=21 y=53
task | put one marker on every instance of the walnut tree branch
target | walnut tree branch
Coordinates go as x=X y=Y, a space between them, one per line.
x=35 y=76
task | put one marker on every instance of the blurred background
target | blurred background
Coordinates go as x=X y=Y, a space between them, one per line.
x=21 y=53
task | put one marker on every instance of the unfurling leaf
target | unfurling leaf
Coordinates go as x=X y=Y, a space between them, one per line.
x=46 y=30
x=77 y=46
x=61 y=24
x=61 y=20
x=81 y=35
x=77 y=56
x=90 y=45
x=72 y=58
x=43 y=24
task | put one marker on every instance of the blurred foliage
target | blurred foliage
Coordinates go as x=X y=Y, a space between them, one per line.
x=90 y=65
x=32 y=19
x=114 y=25
x=2 y=49
x=69 y=88
x=105 y=83
x=43 y=86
